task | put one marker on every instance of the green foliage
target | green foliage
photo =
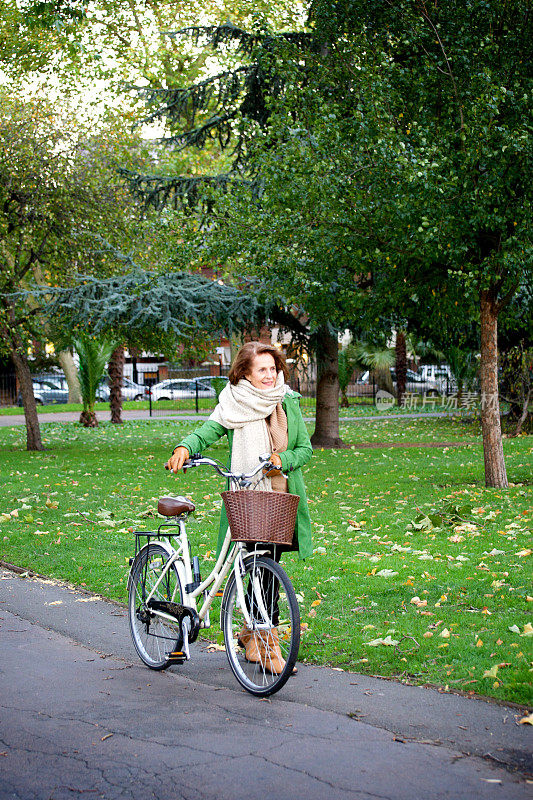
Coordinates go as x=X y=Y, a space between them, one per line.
x=218 y=384
x=517 y=388
x=464 y=365
x=93 y=355
x=154 y=305
x=58 y=193
x=373 y=356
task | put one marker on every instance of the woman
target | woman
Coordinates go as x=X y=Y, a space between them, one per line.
x=259 y=414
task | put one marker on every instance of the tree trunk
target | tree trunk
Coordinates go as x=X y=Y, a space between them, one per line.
x=401 y=366
x=116 y=375
x=88 y=419
x=327 y=392
x=10 y=333
x=33 y=431
x=66 y=360
x=383 y=380
x=495 y=474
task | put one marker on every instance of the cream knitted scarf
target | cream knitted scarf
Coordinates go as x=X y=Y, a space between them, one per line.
x=243 y=408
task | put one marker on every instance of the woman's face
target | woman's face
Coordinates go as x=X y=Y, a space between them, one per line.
x=263 y=371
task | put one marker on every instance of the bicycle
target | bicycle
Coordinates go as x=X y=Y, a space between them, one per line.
x=165 y=584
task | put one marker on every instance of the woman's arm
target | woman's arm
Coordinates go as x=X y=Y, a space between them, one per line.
x=302 y=450
x=206 y=435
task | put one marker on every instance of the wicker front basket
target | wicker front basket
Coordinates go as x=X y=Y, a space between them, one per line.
x=256 y=516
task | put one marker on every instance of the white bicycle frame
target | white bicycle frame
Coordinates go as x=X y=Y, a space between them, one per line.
x=180 y=557
x=230 y=553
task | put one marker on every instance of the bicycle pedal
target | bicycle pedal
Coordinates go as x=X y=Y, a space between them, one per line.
x=177 y=657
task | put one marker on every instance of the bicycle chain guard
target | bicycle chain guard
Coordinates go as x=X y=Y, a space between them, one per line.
x=179 y=612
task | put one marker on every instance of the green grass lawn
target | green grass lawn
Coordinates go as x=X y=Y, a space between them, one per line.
x=66 y=513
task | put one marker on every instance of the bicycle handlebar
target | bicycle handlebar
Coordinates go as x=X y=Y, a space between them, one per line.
x=242 y=478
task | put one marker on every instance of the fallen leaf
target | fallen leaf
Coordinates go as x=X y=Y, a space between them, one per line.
x=445 y=633
x=528 y=629
x=491 y=673
x=386 y=641
x=527 y=720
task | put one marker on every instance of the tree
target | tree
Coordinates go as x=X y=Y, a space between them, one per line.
x=446 y=189
x=57 y=195
x=94 y=355
x=347 y=364
x=238 y=101
x=116 y=375
x=147 y=309
x=383 y=156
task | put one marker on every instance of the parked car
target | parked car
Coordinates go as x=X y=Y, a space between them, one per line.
x=207 y=380
x=48 y=390
x=414 y=382
x=132 y=390
x=102 y=391
x=179 y=388
x=440 y=374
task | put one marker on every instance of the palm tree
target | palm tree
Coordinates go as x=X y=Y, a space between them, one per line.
x=401 y=364
x=116 y=376
x=377 y=359
x=464 y=366
x=347 y=364
x=94 y=355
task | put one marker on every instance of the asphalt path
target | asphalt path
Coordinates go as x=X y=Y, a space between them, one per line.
x=81 y=716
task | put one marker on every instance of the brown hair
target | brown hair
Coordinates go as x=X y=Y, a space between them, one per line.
x=244 y=359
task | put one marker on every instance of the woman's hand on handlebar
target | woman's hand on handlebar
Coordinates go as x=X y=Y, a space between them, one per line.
x=276 y=461
x=177 y=459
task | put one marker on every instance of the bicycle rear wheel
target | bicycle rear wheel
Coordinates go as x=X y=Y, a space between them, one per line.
x=263 y=655
x=154 y=638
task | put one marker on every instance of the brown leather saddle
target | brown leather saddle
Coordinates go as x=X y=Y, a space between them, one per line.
x=175 y=506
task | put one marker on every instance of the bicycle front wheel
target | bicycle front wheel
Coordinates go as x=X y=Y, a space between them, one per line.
x=154 y=638
x=261 y=653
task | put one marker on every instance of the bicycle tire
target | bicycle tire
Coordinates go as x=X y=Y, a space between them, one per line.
x=153 y=637
x=258 y=676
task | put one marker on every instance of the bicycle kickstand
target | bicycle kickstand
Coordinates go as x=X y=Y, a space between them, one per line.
x=185 y=628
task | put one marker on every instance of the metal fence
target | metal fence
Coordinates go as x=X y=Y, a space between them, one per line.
x=48 y=387
x=194 y=391
x=363 y=390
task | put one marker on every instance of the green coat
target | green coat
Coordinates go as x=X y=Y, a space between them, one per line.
x=298 y=453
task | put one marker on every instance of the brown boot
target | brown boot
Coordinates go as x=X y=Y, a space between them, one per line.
x=270 y=653
x=248 y=640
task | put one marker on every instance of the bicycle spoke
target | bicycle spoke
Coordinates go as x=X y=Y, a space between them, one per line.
x=265 y=664
x=153 y=637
